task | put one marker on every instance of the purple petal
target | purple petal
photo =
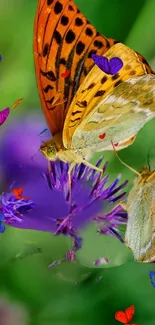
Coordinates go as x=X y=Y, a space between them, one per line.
x=101 y=260
x=115 y=65
x=4 y=115
x=20 y=142
x=152 y=275
x=102 y=62
x=2 y=228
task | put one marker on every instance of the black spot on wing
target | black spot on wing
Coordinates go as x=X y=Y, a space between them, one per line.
x=64 y=20
x=47 y=88
x=104 y=79
x=49 y=75
x=70 y=37
x=115 y=76
x=89 y=32
x=117 y=83
x=98 y=44
x=45 y=50
x=77 y=112
x=78 y=22
x=80 y=47
x=100 y=93
x=82 y=104
x=57 y=37
x=49 y=2
x=58 y=8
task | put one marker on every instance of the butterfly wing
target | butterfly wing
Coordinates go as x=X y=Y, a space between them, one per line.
x=102 y=62
x=140 y=232
x=129 y=313
x=18 y=191
x=120 y=116
x=125 y=316
x=116 y=65
x=4 y=115
x=92 y=96
x=121 y=317
x=63 y=40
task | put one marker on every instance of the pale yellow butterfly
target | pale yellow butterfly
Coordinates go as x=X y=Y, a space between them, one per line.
x=140 y=206
x=140 y=232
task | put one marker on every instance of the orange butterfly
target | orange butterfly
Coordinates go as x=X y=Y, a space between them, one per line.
x=85 y=102
x=18 y=193
x=125 y=316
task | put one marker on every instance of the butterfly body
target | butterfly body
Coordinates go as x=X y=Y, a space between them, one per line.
x=53 y=149
x=81 y=101
x=140 y=233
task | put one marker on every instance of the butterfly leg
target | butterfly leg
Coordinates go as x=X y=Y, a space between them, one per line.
x=85 y=162
x=123 y=205
x=49 y=166
x=100 y=170
x=70 y=182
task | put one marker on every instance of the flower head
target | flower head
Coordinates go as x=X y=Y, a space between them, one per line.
x=63 y=208
x=58 y=203
x=13 y=209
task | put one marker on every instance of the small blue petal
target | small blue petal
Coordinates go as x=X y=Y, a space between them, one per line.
x=2 y=228
x=152 y=274
x=152 y=278
x=2 y=217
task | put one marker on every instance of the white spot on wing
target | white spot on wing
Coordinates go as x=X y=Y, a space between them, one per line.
x=146 y=111
x=132 y=81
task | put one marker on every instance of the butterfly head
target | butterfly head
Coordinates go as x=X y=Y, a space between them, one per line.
x=146 y=175
x=48 y=149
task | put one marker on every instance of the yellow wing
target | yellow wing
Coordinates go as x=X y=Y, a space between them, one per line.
x=97 y=85
x=119 y=116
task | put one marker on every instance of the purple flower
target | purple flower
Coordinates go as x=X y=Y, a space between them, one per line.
x=2 y=226
x=50 y=202
x=56 y=207
x=13 y=209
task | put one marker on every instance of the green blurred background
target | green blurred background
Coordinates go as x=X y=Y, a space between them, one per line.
x=73 y=293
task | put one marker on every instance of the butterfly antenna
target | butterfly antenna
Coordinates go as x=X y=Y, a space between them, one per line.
x=123 y=163
x=148 y=159
x=35 y=154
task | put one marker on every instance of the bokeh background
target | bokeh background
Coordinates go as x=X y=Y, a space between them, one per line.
x=70 y=293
